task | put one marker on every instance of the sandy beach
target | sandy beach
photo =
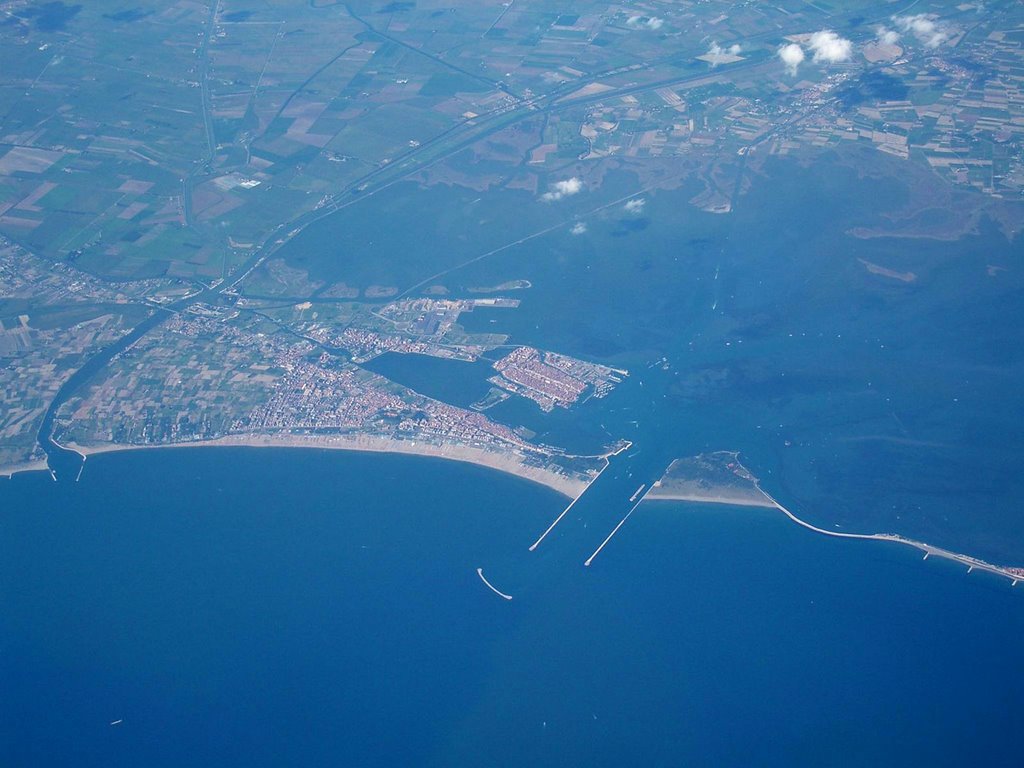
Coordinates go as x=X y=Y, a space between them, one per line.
x=659 y=494
x=369 y=444
x=756 y=496
x=10 y=470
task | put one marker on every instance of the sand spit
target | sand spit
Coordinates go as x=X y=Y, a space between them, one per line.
x=719 y=478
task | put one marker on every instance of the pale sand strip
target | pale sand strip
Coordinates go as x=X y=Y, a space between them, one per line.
x=564 y=485
x=928 y=549
x=771 y=503
x=10 y=470
x=657 y=494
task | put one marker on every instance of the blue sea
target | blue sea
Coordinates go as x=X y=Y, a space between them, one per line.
x=268 y=607
x=861 y=400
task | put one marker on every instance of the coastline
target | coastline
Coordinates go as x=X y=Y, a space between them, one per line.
x=10 y=470
x=655 y=494
x=760 y=498
x=562 y=484
x=1014 y=574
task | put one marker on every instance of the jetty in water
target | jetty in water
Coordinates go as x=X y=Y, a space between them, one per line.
x=495 y=590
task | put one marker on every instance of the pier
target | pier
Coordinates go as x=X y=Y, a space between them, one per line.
x=928 y=549
x=637 y=492
x=558 y=519
x=615 y=530
x=572 y=503
x=495 y=590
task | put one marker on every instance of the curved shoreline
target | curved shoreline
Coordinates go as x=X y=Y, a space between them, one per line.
x=751 y=494
x=10 y=470
x=1014 y=575
x=561 y=484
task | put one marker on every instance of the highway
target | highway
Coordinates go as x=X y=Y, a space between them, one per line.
x=429 y=152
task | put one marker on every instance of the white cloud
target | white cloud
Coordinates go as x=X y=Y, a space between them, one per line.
x=636 y=205
x=886 y=36
x=926 y=29
x=717 y=52
x=579 y=228
x=791 y=56
x=564 y=188
x=829 y=47
x=644 y=22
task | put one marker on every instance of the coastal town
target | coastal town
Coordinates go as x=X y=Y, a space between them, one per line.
x=215 y=378
x=116 y=223
x=511 y=383
x=422 y=326
x=245 y=370
x=553 y=380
